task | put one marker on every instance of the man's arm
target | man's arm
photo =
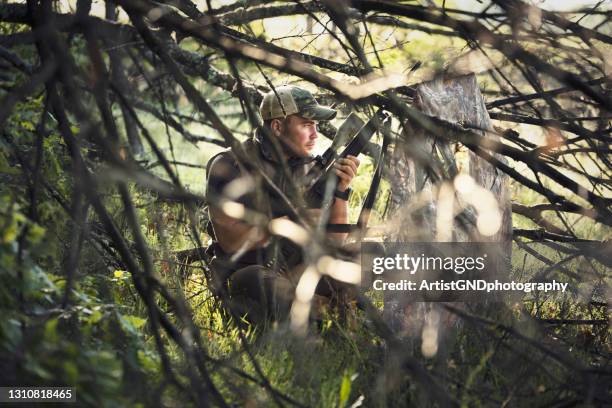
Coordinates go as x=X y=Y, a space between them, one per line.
x=346 y=169
x=231 y=233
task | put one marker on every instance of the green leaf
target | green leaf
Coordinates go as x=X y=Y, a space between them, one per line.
x=95 y=317
x=136 y=321
x=37 y=369
x=10 y=334
x=345 y=390
x=51 y=330
x=27 y=125
x=10 y=232
x=148 y=362
x=130 y=324
x=71 y=372
x=35 y=233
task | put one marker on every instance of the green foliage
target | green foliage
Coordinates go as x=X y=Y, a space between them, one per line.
x=93 y=344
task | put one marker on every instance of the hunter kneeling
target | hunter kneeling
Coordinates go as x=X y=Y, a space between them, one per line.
x=257 y=273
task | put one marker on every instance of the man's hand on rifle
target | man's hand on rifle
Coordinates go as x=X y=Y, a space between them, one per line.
x=346 y=169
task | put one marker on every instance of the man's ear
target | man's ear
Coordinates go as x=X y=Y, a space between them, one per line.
x=277 y=127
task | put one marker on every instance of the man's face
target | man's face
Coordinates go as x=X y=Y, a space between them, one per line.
x=298 y=133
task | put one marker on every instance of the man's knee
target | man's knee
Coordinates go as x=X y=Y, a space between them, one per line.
x=262 y=288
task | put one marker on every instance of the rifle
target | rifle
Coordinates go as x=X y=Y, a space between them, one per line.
x=317 y=179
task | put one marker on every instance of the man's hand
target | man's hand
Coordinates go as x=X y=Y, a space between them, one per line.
x=346 y=169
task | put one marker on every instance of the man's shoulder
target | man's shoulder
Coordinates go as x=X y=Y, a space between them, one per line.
x=222 y=164
x=225 y=162
x=223 y=167
x=224 y=156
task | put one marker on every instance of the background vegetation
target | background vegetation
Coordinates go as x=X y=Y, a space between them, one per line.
x=110 y=111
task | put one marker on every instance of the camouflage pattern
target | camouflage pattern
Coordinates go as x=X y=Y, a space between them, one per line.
x=289 y=100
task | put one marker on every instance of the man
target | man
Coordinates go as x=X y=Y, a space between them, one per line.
x=256 y=271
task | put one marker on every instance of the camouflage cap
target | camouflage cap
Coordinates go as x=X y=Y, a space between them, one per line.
x=288 y=100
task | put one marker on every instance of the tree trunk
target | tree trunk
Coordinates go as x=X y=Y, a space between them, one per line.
x=419 y=204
